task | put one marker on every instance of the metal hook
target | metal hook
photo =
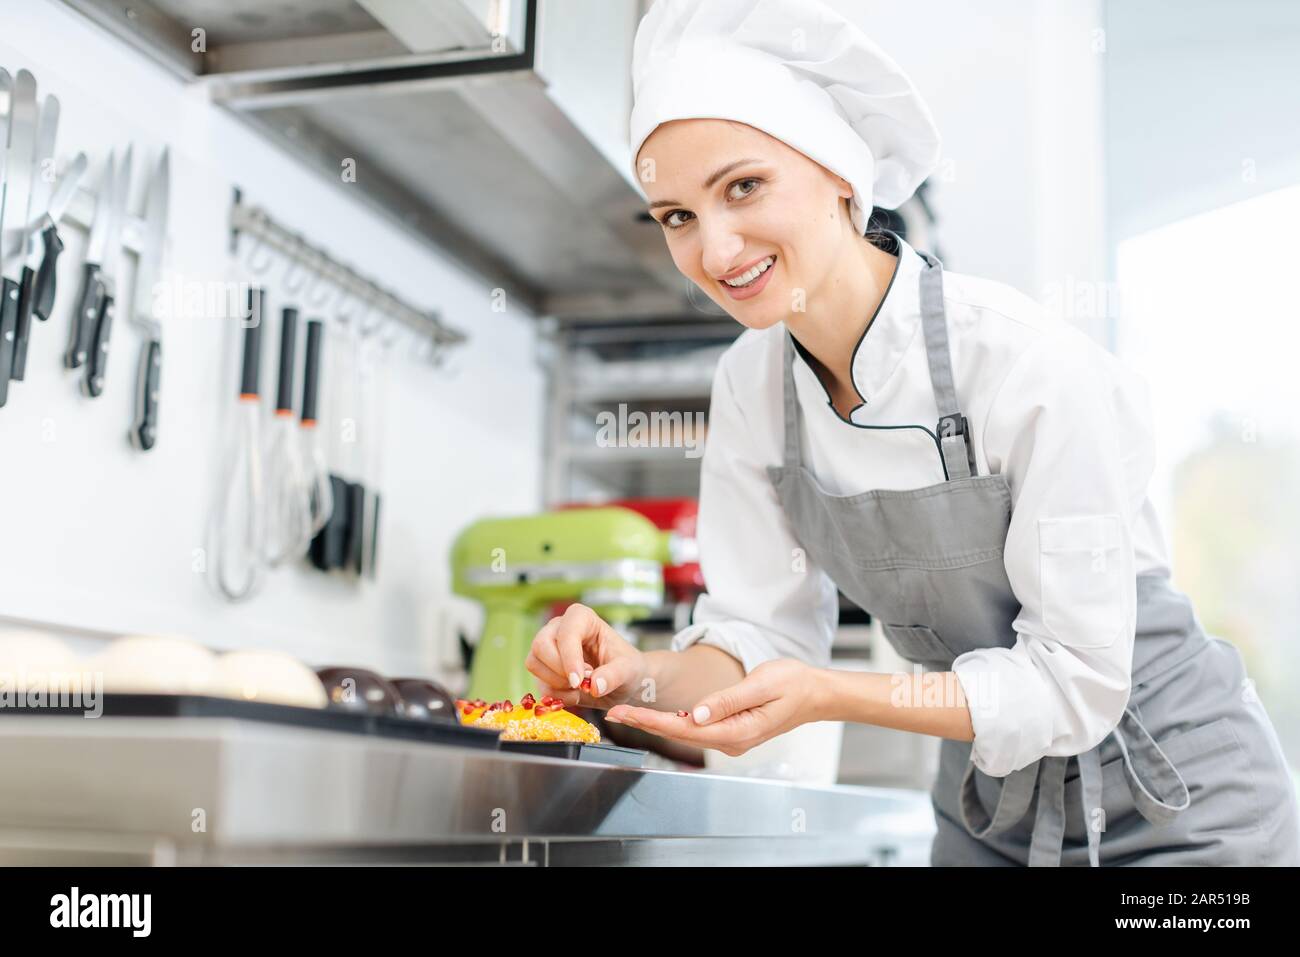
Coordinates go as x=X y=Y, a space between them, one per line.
x=297 y=268
x=366 y=326
x=259 y=245
x=319 y=281
x=389 y=338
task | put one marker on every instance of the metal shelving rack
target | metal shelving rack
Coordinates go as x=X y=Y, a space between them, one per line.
x=652 y=357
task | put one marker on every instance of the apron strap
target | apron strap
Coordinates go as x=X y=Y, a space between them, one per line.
x=1090 y=791
x=793 y=448
x=1158 y=790
x=1049 y=819
x=1048 y=837
x=1013 y=801
x=1161 y=800
x=953 y=429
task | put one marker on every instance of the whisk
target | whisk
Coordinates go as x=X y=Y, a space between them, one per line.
x=289 y=490
x=236 y=531
x=321 y=496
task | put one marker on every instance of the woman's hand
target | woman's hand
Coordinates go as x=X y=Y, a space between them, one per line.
x=579 y=645
x=771 y=700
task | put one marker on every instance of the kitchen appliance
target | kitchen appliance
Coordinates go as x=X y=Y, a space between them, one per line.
x=610 y=559
x=683 y=579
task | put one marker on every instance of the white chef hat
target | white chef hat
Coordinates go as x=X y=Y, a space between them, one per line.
x=796 y=70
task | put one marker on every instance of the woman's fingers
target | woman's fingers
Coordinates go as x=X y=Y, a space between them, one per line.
x=546 y=654
x=545 y=675
x=731 y=735
x=578 y=627
x=617 y=674
x=751 y=692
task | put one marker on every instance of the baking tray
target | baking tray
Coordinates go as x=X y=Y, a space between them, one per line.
x=322 y=719
x=577 y=751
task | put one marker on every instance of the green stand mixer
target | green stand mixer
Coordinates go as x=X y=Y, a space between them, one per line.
x=610 y=559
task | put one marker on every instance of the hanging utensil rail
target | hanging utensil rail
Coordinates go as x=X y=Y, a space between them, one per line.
x=257 y=224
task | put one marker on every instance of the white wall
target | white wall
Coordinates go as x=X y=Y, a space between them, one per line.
x=97 y=539
x=1015 y=87
x=1203 y=106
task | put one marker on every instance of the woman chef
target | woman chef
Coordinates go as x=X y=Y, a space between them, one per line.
x=967 y=469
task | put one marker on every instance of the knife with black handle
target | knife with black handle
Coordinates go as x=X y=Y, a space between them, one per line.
x=20 y=152
x=145 y=431
x=23 y=324
x=51 y=242
x=10 y=293
x=85 y=316
x=93 y=287
x=40 y=194
x=97 y=360
x=109 y=266
x=143 y=314
x=43 y=297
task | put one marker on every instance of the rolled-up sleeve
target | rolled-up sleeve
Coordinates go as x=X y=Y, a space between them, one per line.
x=1071 y=430
x=766 y=598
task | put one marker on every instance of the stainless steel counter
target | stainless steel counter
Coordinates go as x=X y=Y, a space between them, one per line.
x=217 y=791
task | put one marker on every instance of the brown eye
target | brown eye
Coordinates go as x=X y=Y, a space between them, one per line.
x=673 y=222
x=737 y=192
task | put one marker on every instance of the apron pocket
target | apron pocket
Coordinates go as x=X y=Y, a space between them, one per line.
x=918 y=643
x=1219 y=825
x=1088 y=587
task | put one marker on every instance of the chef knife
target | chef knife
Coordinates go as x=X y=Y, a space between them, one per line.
x=144 y=433
x=51 y=243
x=87 y=310
x=97 y=357
x=37 y=206
x=6 y=98
x=18 y=182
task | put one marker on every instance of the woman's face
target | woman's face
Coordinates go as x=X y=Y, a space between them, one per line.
x=731 y=198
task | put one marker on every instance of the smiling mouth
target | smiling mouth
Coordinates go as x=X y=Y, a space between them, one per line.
x=751 y=275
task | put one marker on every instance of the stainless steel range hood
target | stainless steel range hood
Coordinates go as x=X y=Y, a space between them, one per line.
x=447 y=109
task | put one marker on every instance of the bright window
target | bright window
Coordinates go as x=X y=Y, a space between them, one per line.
x=1211 y=316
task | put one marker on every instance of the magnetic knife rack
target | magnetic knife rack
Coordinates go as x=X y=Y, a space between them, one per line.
x=258 y=225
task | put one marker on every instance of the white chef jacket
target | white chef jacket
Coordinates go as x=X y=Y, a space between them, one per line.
x=1066 y=423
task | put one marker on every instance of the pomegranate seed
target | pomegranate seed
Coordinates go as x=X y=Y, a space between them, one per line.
x=681 y=714
x=527 y=701
x=585 y=684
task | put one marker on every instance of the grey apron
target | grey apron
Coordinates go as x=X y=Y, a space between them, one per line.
x=928 y=564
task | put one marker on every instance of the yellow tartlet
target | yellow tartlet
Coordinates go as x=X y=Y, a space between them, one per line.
x=522 y=722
